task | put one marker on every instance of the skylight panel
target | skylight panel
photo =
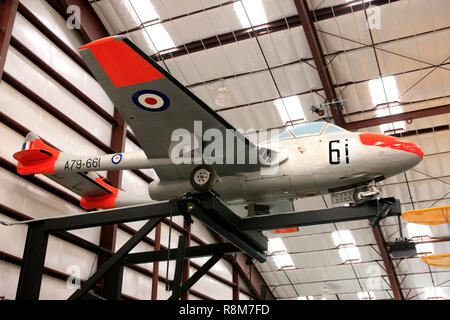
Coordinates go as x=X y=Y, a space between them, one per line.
x=289 y=109
x=418 y=231
x=384 y=90
x=284 y=261
x=366 y=295
x=350 y=255
x=344 y=240
x=434 y=294
x=343 y=237
x=160 y=37
x=145 y=10
x=276 y=245
x=424 y=248
x=255 y=11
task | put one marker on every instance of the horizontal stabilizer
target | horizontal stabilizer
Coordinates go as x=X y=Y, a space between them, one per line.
x=81 y=183
x=36 y=157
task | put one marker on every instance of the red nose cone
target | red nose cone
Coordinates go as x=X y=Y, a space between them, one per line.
x=381 y=140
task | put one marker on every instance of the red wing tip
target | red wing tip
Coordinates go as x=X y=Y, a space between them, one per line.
x=101 y=202
x=101 y=41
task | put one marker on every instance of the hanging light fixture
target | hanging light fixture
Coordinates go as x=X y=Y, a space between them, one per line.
x=223 y=96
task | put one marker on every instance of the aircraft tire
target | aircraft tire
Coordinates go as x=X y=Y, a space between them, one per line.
x=357 y=197
x=203 y=178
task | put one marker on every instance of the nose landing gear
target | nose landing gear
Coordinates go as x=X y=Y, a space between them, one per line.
x=203 y=178
x=365 y=193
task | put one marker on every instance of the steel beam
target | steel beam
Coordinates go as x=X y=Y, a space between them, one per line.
x=321 y=66
x=422 y=113
x=175 y=284
x=112 y=286
x=190 y=252
x=390 y=270
x=187 y=262
x=155 y=276
x=254 y=278
x=196 y=276
x=211 y=208
x=236 y=281
x=368 y=210
x=237 y=238
x=30 y=277
x=114 y=260
x=240 y=267
x=8 y=10
x=112 y=216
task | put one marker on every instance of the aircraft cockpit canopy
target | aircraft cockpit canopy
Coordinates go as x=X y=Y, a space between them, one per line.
x=308 y=129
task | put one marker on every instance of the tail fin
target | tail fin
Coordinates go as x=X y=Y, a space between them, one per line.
x=36 y=156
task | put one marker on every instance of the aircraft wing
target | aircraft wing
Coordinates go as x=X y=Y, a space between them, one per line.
x=80 y=183
x=153 y=102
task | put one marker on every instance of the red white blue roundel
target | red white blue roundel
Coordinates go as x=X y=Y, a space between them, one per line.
x=151 y=100
x=116 y=158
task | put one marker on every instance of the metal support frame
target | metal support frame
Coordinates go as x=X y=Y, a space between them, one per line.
x=175 y=284
x=112 y=270
x=243 y=235
x=196 y=276
x=114 y=260
x=33 y=262
x=368 y=210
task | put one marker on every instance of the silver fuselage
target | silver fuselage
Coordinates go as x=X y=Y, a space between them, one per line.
x=307 y=171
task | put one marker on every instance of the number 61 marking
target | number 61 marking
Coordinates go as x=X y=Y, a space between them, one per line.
x=335 y=152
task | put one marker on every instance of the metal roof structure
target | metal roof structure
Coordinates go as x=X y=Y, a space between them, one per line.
x=379 y=66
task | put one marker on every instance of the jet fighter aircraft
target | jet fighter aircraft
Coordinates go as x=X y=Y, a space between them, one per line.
x=171 y=125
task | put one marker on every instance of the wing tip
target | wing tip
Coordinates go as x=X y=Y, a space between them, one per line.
x=101 y=42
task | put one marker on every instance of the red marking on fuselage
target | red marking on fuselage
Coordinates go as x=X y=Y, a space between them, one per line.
x=123 y=65
x=381 y=140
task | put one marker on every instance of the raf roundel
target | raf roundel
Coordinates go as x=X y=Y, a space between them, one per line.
x=151 y=100
x=116 y=158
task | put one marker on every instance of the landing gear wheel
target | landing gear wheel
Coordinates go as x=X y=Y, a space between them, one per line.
x=203 y=178
x=358 y=196
x=365 y=193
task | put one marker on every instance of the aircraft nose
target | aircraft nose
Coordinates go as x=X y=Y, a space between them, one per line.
x=381 y=140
